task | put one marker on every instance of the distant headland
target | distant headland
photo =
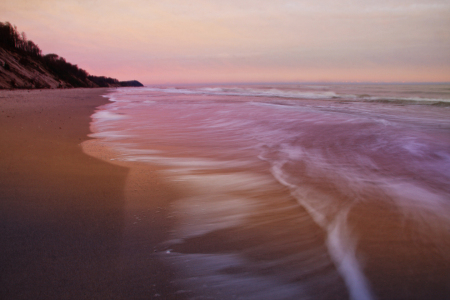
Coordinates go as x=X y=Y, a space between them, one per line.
x=22 y=66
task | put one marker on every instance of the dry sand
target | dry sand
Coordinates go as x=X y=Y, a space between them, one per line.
x=63 y=224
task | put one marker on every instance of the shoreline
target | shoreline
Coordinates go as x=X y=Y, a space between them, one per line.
x=146 y=226
x=228 y=223
x=63 y=213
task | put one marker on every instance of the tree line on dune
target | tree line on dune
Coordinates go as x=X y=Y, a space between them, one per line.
x=12 y=40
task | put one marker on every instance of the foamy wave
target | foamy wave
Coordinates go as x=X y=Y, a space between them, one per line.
x=251 y=92
x=103 y=115
x=313 y=93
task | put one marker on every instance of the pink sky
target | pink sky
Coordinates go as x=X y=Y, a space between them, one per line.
x=179 y=41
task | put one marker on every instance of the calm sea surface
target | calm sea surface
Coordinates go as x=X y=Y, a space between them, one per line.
x=298 y=191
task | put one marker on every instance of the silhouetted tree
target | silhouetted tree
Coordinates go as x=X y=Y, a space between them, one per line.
x=9 y=36
x=103 y=81
x=12 y=40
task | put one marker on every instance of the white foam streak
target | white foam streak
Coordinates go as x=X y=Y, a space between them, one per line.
x=200 y=215
x=340 y=243
x=342 y=248
x=104 y=115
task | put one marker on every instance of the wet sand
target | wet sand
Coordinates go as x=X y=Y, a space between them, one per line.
x=227 y=237
x=403 y=257
x=63 y=231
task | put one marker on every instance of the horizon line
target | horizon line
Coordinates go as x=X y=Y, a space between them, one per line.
x=301 y=82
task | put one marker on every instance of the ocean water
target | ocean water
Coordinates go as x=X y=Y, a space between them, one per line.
x=297 y=191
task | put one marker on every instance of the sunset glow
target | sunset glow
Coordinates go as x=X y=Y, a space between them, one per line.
x=178 y=41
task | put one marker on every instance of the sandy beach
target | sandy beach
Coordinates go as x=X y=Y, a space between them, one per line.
x=62 y=224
